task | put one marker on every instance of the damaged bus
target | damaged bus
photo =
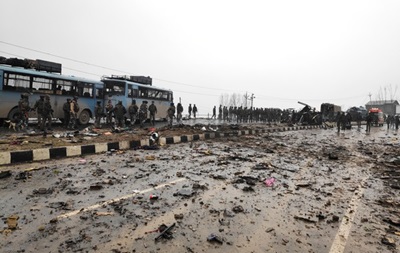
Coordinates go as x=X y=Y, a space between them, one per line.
x=45 y=78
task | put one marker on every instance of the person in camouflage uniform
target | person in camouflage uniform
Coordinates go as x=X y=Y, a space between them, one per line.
x=98 y=114
x=143 y=113
x=171 y=113
x=38 y=107
x=153 y=111
x=179 y=111
x=109 y=112
x=133 y=112
x=66 y=110
x=24 y=108
x=47 y=114
x=119 y=112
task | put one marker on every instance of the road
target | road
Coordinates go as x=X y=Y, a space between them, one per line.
x=296 y=191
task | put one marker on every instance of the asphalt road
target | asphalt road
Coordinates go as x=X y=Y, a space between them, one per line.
x=299 y=191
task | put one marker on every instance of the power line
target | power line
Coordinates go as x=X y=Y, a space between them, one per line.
x=103 y=67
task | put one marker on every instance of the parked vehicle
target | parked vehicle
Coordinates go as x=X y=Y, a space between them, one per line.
x=377 y=116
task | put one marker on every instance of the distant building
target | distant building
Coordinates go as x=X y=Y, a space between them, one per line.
x=387 y=106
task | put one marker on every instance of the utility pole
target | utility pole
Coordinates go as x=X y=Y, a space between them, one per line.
x=251 y=98
x=369 y=94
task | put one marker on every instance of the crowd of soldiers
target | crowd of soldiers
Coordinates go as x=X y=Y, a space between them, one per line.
x=116 y=115
x=45 y=112
x=244 y=114
x=392 y=121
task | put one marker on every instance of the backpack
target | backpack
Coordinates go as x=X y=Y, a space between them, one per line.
x=76 y=107
x=66 y=107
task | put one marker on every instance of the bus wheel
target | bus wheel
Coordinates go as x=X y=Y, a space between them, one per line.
x=14 y=114
x=84 y=117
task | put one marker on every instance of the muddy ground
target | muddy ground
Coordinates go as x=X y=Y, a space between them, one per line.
x=297 y=191
x=32 y=138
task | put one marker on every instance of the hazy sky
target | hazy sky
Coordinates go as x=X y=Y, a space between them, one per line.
x=282 y=51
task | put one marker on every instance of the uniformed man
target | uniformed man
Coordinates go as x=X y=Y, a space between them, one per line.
x=171 y=113
x=133 y=111
x=179 y=112
x=24 y=108
x=190 y=110
x=109 y=112
x=194 y=111
x=214 y=112
x=39 y=109
x=98 y=114
x=47 y=113
x=153 y=111
x=119 y=112
x=143 y=113
x=66 y=110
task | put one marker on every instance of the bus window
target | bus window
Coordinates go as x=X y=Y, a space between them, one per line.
x=132 y=92
x=164 y=95
x=143 y=93
x=66 y=87
x=42 y=85
x=99 y=93
x=115 y=88
x=85 y=90
x=16 y=82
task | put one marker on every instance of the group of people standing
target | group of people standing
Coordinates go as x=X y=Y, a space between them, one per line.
x=118 y=112
x=45 y=111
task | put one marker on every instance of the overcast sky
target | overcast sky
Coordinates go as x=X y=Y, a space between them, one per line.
x=281 y=51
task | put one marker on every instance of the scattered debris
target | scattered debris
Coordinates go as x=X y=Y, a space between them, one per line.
x=215 y=238
x=269 y=182
x=165 y=232
x=12 y=221
x=5 y=174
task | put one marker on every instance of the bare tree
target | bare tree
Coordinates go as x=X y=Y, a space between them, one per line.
x=387 y=93
x=234 y=99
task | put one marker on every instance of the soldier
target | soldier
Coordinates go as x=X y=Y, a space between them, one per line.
x=214 y=112
x=338 y=121
x=47 y=113
x=171 y=113
x=179 y=111
x=74 y=109
x=24 y=108
x=153 y=111
x=119 y=112
x=143 y=113
x=98 y=114
x=133 y=111
x=39 y=109
x=190 y=110
x=220 y=112
x=109 y=112
x=194 y=111
x=66 y=110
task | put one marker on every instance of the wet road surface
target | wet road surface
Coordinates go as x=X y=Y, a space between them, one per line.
x=299 y=191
